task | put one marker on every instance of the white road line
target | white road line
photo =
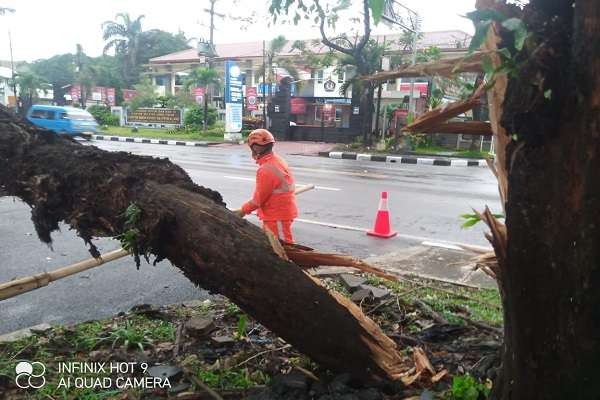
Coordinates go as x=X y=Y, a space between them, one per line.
x=442 y=245
x=242 y=178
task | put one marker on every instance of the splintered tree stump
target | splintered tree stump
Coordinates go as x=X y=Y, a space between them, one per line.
x=90 y=189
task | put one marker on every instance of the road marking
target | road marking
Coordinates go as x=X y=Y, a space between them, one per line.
x=442 y=245
x=242 y=178
x=331 y=225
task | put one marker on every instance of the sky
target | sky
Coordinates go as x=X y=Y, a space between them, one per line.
x=42 y=28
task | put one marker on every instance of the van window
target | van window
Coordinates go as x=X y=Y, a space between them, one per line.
x=42 y=114
x=77 y=115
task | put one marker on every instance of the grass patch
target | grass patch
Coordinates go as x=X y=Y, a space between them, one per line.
x=483 y=305
x=229 y=379
x=211 y=135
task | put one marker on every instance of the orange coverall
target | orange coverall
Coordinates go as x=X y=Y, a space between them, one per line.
x=274 y=196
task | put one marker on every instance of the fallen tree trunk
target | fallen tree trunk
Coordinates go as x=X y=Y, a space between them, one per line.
x=91 y=190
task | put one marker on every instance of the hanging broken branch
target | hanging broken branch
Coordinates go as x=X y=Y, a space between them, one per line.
x=446 y=68
x=434 y=118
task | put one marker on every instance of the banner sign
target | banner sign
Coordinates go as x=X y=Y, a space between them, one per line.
x=128 y=94
x=99 y=94
x=251 y=99
x=298 y=105
x=233 y=97
x=164 y=116
x=199 y=95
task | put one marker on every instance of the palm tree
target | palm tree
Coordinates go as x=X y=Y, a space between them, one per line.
x=29 y=86
x=207 y=78
x=125 y=38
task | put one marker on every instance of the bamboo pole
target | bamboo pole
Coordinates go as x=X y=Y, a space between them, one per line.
x=29 y=283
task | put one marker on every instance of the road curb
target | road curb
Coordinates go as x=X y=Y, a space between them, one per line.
x=152 y=141
x=441 y=162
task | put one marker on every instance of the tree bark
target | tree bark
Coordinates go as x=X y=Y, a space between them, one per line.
x=90 y=190
x=551 y=274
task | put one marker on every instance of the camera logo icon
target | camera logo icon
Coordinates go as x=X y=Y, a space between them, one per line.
x=30 y=375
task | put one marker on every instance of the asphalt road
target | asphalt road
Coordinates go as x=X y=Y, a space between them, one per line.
x=425 y=202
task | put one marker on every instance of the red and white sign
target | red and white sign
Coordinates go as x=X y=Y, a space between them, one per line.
x=251 y=99
x=420 y=88
x=75 y=93
x=129 y=94
x=199 y=95
x=297 y=105
x=111 y=96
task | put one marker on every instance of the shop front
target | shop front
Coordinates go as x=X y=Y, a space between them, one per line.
x=321 y=119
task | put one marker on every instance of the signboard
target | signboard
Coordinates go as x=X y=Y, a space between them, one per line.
x=98 y=94
x=233 y=97
x=162 y=116
x=251 y=99
x=75 y=93
x=199 y=95
x=329 y=85
x=128 y=94
x=298 y=105
x=111 y=97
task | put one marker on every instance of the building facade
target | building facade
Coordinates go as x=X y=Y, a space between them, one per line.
x=316 y=101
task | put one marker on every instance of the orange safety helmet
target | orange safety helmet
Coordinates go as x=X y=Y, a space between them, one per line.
x=261 y=137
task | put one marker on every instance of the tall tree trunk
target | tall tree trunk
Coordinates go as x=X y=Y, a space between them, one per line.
x=90 y=189
x=551 y=275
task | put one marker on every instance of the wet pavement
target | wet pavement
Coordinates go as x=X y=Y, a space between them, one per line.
x=425 y=204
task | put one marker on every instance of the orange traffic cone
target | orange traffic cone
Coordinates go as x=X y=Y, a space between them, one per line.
x=382 y=226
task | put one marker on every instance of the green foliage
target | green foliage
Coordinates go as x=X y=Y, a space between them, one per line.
x=228 y=379
x=146 y=97
x=194 y=116
x=472 y=219
x=465 y=387
x=241 y=326
x=134 y=129
x=103 y=115
x=203 y=77
x=129 y=237
x=377 y=7
x=130 y=336
x=29 y=85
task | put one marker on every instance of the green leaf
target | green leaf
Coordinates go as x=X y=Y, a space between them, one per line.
x=487 y=65
x=485 y=15
x=377 y=7
x=470 y=222
x=548 y=94
x=513 y=24
x=480 y=35
x=517 y=26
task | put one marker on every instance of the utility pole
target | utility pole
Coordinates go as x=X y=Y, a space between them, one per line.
x=212 y=13
x=13 y=73
x=82 y=99
x=264 y=87
x=392 y=15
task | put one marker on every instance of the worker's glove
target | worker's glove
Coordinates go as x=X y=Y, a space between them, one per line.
x=239 y=212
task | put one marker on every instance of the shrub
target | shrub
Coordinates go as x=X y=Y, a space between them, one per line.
x=252 y=123
x=103 y=115
x=195 y=116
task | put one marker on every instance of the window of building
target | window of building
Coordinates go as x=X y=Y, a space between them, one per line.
x=320 y=76
x=159 y=80
x=179 y=80
x=338 y=113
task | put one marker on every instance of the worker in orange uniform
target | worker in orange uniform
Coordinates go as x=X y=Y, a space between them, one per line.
x=274 y=196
